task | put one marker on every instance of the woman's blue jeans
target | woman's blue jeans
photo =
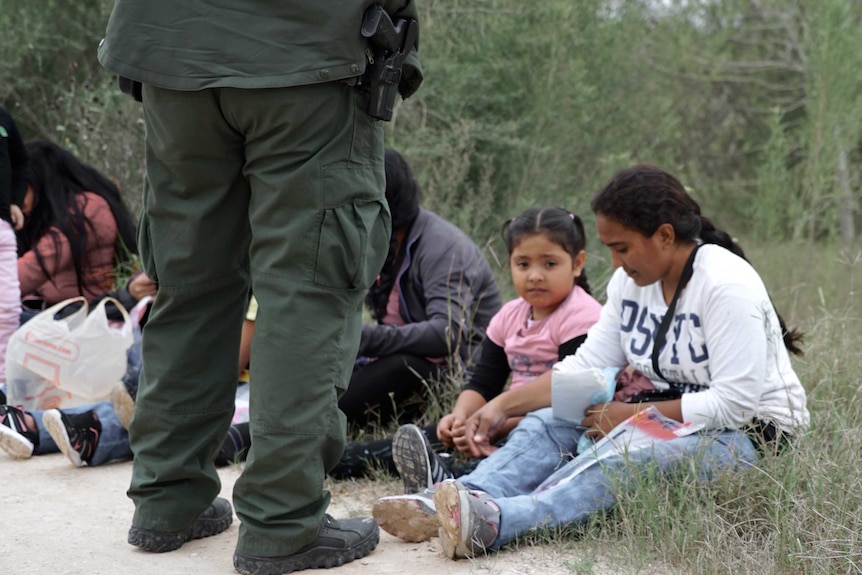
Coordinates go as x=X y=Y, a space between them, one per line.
x=530 y=478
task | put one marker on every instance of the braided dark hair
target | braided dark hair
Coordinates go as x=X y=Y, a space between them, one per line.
x=403 y=196
x=559 y=225
x=644 y=197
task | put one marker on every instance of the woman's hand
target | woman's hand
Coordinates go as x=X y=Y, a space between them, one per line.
x=17 y=217
x=600 y=419
x=142 y=286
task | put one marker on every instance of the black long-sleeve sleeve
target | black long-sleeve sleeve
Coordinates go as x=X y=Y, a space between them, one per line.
x=491 y=372
x=14 y=165
x=570 y=347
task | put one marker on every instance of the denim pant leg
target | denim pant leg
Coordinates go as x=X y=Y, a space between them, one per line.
x=564 y=499
x=114 y=442
x=46 y=442
x=537 y=447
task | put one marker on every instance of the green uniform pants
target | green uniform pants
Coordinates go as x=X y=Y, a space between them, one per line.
x=283 y=188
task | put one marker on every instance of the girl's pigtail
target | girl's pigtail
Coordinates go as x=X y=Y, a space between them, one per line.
x=580 y=232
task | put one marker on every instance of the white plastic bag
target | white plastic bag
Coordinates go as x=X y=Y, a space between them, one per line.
x=69 y=361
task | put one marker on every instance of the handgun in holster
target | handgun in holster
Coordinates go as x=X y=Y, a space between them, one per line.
x=390 y=43
x=131 y=87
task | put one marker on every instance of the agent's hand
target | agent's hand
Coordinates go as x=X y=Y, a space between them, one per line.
x=482 y=427
x=601 y=418
x=17 y=217
x=142 y=286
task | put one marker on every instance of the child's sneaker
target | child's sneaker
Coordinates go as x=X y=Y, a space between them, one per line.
x=409 y=517
x=123 y=400
x=16 y=438
x=469 y=519
x=417 y=464
x=77 y=435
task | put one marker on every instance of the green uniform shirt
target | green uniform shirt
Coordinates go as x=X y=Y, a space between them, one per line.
x=197 y=44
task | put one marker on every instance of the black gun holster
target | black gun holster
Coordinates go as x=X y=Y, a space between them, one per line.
x=389 y=43
x=131 y=87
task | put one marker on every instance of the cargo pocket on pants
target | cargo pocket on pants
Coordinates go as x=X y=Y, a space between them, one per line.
x=354 y=233
x=145 y=248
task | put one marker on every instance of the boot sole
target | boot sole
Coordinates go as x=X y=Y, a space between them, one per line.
x=161 y=541
x=314 y=558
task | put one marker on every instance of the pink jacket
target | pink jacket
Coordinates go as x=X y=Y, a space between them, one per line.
x=60 y=282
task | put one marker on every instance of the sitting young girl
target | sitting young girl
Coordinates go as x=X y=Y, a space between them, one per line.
x=525 y=339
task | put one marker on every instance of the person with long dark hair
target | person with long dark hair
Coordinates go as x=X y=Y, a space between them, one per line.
x=720 y=363
x=431 y=303
x=76 y=229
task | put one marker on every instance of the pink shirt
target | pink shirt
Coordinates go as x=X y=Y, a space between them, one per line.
x=60 y=282
x=531 y=347
x=393 y=309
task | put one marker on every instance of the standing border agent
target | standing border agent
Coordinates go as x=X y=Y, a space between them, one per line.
x=264 y=167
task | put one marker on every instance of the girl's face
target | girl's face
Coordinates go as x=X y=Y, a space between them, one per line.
x=544 y=273
x=645 y=259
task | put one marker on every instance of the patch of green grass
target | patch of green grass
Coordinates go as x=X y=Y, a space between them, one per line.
x=796 y=513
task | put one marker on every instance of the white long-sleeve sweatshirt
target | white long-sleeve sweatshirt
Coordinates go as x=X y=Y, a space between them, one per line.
x=724 y=342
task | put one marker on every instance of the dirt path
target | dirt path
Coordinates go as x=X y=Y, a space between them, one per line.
x=59 y=520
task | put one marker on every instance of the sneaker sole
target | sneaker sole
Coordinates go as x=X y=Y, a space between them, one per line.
x=453 y=511
x=405 y=519
x=411 y=458
x=15 y=444
x=316 y=558
x=54 y=425
x=161 y=542
x=124 y=405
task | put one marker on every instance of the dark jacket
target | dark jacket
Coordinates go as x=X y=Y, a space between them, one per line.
x=448 y=295
x=194 y=44
x=14 y=165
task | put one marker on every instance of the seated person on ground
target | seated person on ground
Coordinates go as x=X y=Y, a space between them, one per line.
x=76 y=228
x=432 y=303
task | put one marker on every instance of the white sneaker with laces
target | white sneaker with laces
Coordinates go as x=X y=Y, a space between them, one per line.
x=16 y=438
x=469 y=519
x=411 y=517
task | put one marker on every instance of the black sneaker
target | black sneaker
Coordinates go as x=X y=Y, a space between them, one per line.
x=16 y=438
x=338 y=542
x=417 y=464
x=217 y=518
x=76 y=434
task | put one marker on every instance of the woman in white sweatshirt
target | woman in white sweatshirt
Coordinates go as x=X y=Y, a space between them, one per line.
x=722 y=363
